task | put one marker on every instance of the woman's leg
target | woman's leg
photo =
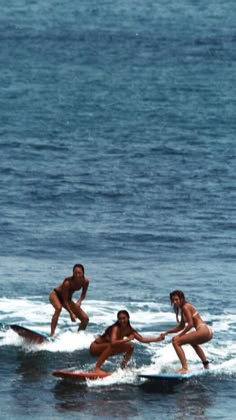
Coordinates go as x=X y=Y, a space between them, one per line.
x=81 y=315
x=111 y=350
x=97 y=348
x=205 y=336
x=127 y=357
x=201 y=335
x=180 y=353
x=201 y=355
x=55 y=301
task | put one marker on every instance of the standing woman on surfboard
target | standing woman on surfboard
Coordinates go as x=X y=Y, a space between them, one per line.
x=61 y=297
x=116 y=339
x=190 y=318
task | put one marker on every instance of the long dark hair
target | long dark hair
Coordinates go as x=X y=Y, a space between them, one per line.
x=109 y=329
x=79 y=266
x=181 y=295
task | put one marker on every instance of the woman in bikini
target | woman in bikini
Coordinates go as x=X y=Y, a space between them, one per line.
x=190 y=318
x=117 y=339
x=61 y=297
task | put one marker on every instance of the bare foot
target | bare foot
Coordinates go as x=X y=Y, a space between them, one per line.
x=123 y=365
x=125 y=361
x=206 y=364
x=182 y=370
x=98 y=370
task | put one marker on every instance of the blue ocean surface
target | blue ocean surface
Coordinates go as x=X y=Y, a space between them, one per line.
x=117 y=151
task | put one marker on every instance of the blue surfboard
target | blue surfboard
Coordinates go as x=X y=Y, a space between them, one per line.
x=170 y=376
x=31 y=336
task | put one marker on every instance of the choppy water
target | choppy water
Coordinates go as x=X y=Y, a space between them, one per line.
x=117 y=151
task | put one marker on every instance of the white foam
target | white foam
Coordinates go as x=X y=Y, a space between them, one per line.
x=69 y=342
x=120 y=376
x=144 y=316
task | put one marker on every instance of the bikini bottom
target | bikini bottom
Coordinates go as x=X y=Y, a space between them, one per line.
x=58 y=295
x=209 y=329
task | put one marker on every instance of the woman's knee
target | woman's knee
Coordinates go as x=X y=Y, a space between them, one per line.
x=85 y=319
x=96 y=349
x=176 y=341
x=123 y=347
x=84 y=322
x=57 y=312
x=93 y=349
x=130 y=347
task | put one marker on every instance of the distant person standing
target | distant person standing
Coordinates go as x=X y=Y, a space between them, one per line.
x=61 y=297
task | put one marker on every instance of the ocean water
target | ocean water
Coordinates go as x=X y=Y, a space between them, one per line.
x=117 y=150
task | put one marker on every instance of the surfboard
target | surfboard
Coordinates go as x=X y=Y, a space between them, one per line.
x=32 y=336
x=80 y=376
x=170 y=376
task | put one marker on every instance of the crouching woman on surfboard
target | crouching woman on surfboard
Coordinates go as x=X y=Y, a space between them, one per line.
x=190 y=318
x=117 y=339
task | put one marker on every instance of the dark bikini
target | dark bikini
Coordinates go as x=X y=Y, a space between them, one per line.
x=58 y=295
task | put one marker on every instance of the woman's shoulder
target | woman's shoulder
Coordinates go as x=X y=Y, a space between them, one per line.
x=115 y=327
x=188 y=306
x=67 y=281
x=132 y=330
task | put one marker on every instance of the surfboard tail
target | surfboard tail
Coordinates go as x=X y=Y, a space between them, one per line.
x=30 y=335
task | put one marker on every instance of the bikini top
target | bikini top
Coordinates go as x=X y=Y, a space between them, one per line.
x=193 y=316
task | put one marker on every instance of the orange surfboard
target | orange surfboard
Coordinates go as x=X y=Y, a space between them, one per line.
x=82 y=376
